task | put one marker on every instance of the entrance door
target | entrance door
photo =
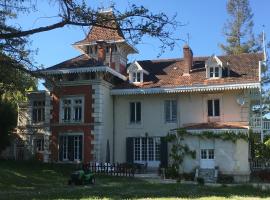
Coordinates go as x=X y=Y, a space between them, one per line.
x=147 y=150
x=207 y=160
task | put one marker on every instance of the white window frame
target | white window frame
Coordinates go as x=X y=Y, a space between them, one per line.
x=136 y=77
x=213 y=108
x=39 y=109
x=138 y=148
x=171 y=120
x=73 y=107
x=135 y=113
x=39 y=144
x=216 y=68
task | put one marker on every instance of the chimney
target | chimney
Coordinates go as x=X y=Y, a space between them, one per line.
x=188 y=60
x=101 y=52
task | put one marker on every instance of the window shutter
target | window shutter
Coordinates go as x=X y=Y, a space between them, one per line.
x=60 y=143
x=163 y=152
x=80 y=147
x=138 y=112
x=167 y=110
x=216 y=104
x=210 y=108
x=129 y=150
x=174 y=110
x=132 y=112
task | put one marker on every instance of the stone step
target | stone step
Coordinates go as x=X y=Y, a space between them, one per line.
x=208 y=175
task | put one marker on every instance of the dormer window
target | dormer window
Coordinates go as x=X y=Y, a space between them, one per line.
x=136 y=73
x=214 y=72
x=213 y=67
x=136 y=77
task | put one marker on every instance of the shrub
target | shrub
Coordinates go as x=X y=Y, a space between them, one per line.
x=262 y=175
x=200 y=180
x=225 y=179
x=188 y=176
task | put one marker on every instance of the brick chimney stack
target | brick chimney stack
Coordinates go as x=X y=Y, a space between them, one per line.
x=188 y=60
x=101 y=52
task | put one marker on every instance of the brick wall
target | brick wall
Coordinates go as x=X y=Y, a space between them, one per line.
x=84 y=127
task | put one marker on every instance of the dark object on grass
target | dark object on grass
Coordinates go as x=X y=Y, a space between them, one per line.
x=81 y=177
x=225 y=179
x=200 y=181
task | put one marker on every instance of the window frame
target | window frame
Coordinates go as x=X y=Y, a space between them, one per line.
x=135 y=121
x=73 y=106
x=136 y=77
x=39 y=144
x=171 y=110
x=38 y=111
x=213 y=105
x=216 y=72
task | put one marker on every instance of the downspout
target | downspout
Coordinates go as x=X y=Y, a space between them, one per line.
x=113 y=149
x=261 y=121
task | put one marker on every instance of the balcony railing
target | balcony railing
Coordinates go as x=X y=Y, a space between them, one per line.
x=258 y=123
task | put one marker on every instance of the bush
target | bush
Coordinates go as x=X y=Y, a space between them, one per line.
x=171 y=172
x=188 y=176
x=262 y=175
x=225 y=179
x=200 y=181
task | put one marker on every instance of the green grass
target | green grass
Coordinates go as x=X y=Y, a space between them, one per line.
x=29 y=180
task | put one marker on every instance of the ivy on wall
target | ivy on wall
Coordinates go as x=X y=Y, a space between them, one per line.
x=225 y=135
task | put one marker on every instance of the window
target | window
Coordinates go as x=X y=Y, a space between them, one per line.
x=70 y=147
x=136 y=77
x=39 y=143
x=207 y=154
x=135 y=112
x=38 y=114
x=72 y=109
x=170 y=110
x=146 y=149
x=214 y=72
x=213 y=108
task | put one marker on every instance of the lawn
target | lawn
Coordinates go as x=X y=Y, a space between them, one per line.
x=29 y=180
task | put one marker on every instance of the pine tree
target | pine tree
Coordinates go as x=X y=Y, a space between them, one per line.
x=239 y=29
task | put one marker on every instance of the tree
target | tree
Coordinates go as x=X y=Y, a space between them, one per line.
x=135 y=22
x=239 y=29
x=8 y=121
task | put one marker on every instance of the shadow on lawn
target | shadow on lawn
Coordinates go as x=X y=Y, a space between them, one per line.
x=39 y=181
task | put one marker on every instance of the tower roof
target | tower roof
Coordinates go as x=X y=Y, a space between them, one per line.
x=107 y=29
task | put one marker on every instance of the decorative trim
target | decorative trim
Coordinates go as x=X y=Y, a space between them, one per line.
x=182 y=89
x=84 y=69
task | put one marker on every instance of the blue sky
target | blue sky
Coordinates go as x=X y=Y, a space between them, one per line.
x=204 y=23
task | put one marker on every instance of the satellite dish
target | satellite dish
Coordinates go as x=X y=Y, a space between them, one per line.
x=240 y=101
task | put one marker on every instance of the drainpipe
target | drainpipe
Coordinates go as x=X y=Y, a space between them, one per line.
x=261 y=120
x=113 y=144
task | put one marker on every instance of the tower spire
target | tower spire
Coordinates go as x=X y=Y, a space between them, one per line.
x=264 y=46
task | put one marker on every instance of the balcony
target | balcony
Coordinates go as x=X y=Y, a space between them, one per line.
x=256 y=123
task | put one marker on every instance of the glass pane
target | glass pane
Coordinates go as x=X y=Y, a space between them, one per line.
x=138 y=112
x=216 y=72
x=78 y=114
x=157 y=149
x=167 y=109
x=216 y=102
x=203 y=154
x=138 y=77
x=174 y=110
x=211 y=154
x=137 y=149
x=211 y=74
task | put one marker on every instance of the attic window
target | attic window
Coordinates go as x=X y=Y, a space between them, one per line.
x=214 y=72
x=136 y=77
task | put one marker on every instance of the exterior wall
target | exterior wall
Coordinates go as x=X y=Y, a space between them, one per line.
x=84 y=127
x=103 y=120
x=230 y=158
x=191 y=108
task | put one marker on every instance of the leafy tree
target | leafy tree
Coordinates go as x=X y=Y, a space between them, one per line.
x=239 y=29
x=135 y=22
x=8 y=121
